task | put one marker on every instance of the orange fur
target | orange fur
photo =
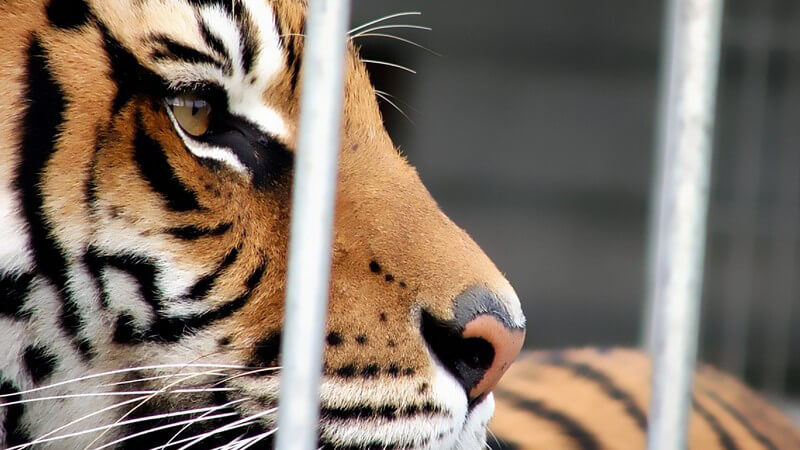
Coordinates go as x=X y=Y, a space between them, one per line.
x=550 y=379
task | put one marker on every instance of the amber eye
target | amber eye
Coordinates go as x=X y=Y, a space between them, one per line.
x=192 y=113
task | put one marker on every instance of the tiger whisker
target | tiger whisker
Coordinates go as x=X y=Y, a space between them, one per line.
x=159 y=377
x=385 y=98
x=127 y=370
x=255 y=439
x=398 y=38
x=118 y=424
x=384 y=63
x=50 y=433
x=166 y=388
x=384 y=19
x=230 y=444
x=233 y=445
x=252 y=372
x=175 y=436
x=237 y=424
x=165 y=427
x=389 y=27
x=111 y=394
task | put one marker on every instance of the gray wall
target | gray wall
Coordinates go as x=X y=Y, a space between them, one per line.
x=534 y=131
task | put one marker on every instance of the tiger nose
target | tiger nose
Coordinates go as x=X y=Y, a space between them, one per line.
x=479 y=345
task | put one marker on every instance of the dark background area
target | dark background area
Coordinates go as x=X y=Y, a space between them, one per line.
x=534 y=130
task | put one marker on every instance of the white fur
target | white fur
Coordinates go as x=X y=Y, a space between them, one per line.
x=15 y=254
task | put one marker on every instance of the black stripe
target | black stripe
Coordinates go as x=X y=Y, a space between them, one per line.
x=171 y=329
x=206 y=283
x=267 y=352
x=175 y=51
x=725 y=439
x=15 y=432
x=130 y=76
x=68 y=14
x=498 y=443
x=385 y=412
x=39 y=363
x=156 y=170
x=757 y=435
x=41 y=126
x=13 y=291
x=605 y=384
x=226 y=5
x=249 y=45
x=582 y=437
x=216 y=44
x=191 y=233
x=94 y=264
x=143 y=270
x=289 y=41
x=125 y=330
x=248 y=41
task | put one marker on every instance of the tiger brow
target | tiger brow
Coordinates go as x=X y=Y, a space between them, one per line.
x=172 y=50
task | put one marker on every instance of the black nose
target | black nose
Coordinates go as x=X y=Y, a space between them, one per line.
x=478 y=345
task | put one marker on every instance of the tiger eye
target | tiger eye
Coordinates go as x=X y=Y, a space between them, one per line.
x=192 y=114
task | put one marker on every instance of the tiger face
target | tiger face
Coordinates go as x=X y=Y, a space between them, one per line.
x=147 y=150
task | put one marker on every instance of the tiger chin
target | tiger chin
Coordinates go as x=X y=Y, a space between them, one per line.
x=147 y=149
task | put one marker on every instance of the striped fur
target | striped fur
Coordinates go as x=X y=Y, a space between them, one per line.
x=142 y=269
x=598 y=399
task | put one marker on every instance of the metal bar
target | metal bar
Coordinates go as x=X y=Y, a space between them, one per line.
x=684 y=152
x=311 y=232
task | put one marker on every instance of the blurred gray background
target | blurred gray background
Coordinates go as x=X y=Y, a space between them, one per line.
x=534 y=130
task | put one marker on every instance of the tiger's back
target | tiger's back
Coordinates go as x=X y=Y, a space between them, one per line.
x=599 y=399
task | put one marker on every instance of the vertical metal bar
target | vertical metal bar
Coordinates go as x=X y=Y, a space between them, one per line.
x=684 y=152
x=316 y=166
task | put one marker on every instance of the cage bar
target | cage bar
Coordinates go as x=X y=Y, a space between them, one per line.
x=686 y=123
x=313 y=197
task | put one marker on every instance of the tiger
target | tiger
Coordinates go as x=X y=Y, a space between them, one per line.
x=598 y=398
x=146 y=152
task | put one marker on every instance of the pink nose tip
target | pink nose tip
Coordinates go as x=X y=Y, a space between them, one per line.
x=479 y=344
x=506 y=343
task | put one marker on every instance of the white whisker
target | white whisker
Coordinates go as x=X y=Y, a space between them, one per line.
x=165 y=427
x=130 y=369
x=244 y=374
x=62 y=427
x=237 y=424
x=159 y=377
x=175 y=436
x=402 y=39
x=260 y=438
x=390 y=27
x=385 y=18
x=111 y=394
x=166 y=388
x=251 y=441
x=119 y=424
x=384 y=63
x=385 y=98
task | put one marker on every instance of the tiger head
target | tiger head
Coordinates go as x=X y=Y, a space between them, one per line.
x=150 y=146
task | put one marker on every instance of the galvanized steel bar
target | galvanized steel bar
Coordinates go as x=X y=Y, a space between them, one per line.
x=316 y=165
x=684 y=151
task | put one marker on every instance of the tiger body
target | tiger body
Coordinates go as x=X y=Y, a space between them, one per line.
x=599 y=399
